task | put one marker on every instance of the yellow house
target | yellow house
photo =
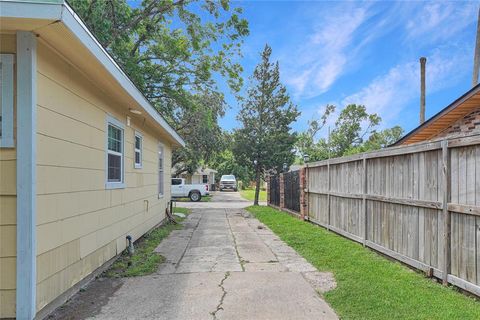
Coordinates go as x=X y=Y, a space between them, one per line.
x=84 y=158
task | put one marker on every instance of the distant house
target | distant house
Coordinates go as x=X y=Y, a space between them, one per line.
x=461 y=117
x=295 y=167
x=202 y=175
x=84 y=158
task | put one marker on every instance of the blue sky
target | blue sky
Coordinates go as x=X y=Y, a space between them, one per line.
x=365 y=53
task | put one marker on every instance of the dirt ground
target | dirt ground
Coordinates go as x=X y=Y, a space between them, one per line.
x=89 y=300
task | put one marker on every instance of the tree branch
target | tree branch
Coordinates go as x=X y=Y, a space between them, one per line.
x=147 y=12
x=137 y=44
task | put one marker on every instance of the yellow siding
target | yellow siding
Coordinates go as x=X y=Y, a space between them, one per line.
x=8 y=212
x=80 y=224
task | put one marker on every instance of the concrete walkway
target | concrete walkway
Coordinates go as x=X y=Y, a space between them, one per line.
x=221 y=200
x=223 y=264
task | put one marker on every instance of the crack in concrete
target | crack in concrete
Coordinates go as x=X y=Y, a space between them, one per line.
x=214 y=265
x=224 y=293
x=242 y=264
x=188 y=243
x=212 y=269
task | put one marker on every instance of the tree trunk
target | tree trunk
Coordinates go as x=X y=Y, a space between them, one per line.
x=257 y=186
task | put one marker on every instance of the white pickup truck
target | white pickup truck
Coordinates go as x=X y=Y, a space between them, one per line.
x=192 y=191
x=228 y=181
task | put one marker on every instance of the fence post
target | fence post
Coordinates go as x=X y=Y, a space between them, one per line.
x=364 y=202
x=303 y=194
x=282 y=191
x=269 y=179
x=328 y=195
x=446 y=213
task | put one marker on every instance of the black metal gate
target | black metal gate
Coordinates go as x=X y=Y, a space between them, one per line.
x=291 y=182
x=274 y=190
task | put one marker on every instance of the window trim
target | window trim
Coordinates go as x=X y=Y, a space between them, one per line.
x=6 y=139
x=135 y=150
x=115 y=184
x=161 y=147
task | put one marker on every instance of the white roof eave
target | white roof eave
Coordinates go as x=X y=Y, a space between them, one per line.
x=61 y=11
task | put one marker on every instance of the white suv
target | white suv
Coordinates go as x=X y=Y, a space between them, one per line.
x=228 y=181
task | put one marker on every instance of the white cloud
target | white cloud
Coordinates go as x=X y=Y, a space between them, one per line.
x=346 y=35
x=440 y=20
x=340 y=41
x=323 y=56
x=389 y=94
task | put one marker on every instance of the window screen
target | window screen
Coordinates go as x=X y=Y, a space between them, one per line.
x=115 y=154
x=161 y=158
x=138 y=150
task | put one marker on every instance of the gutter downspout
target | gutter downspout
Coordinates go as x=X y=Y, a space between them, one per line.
x=26 y=175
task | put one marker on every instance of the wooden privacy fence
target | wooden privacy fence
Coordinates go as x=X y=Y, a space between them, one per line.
x=419 y=204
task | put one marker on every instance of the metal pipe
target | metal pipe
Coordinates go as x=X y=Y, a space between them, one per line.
x=423 y=62
x=130 y=247
x=476 y=57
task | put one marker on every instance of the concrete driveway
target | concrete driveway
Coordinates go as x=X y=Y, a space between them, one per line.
x=221 y=200
x=224 y=264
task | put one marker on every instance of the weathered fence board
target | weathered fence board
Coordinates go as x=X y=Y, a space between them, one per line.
x=419 y=204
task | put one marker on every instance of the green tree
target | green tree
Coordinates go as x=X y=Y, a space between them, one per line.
x=226 y=163
x=265 y=140
x=378 y=140
x=352 y=126
x=176 y=52
x=354 y=132
x=203 y=135
x=306 y=144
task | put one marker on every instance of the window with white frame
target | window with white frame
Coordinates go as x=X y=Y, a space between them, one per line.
x=6 y=100
x=138 y=150
x=161 y=160
x=115 y=154
x=204 y=178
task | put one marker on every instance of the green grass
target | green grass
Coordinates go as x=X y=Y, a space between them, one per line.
x=249 y=194
x=369 y=286
x=181 y=210
x=204 y=199
x=144 y=260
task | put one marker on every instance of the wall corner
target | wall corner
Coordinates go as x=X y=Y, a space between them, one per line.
x=26 y=175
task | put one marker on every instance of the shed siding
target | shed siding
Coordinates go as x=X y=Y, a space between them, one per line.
x=198 y=178
x=80 y=224
x=8 y=212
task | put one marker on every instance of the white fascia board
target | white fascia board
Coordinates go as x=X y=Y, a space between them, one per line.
x=73 y=22
x=61 y=11
x=30 y=10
